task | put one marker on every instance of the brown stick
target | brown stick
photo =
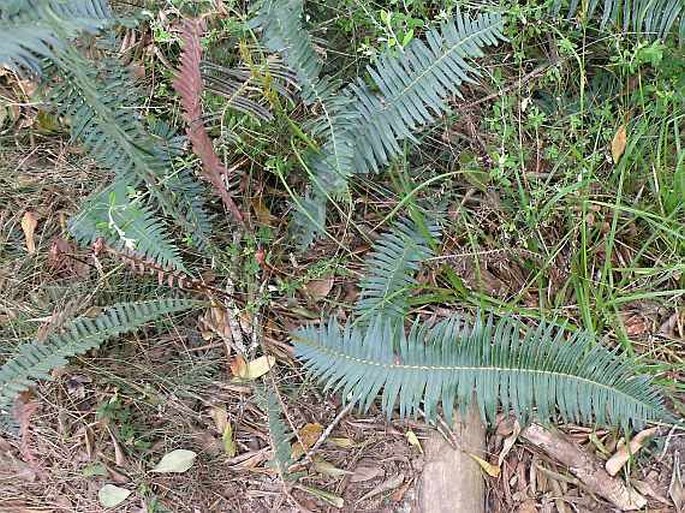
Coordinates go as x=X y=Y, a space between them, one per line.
x=585 y=467
x=189 y=85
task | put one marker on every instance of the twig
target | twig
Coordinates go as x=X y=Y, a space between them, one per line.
x=326 y=433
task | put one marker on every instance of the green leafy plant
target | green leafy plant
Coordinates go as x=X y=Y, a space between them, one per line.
x=533 y=371
x=364 y=126
x=34 y=361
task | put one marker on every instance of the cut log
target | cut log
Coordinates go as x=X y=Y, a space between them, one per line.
x=452 y=482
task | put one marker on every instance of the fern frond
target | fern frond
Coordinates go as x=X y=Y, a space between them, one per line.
x=32 y=29
x=278 y=433
x=35 y=360
x=414 y=86
x=656 y=18
x=282 y=32
x=541 y=368
x=332 y=165
x=391 y=269
x=188 y=84
x=101 y=103
x=118 y=215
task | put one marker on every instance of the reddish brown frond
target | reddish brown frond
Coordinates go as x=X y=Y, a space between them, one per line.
x=188 y=84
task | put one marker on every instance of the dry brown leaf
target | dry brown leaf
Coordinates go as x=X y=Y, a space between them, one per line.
x=387 y=485
x=28 y=224
x=220 y=418
x=319 y=289
x=307 y=437
x=509 y=442
x=249 y=371
x=365 y=471
x=618 y=143
x=623 y=454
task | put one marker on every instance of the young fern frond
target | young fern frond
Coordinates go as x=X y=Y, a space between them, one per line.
x=34 y=361
x=391 y=269
x=656 y=18
x=414 y=86
x=531 y=371
x=32 y=29
x=119 y=216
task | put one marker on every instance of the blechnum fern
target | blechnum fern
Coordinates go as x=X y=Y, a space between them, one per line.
x=34 y=360
x=533 y=371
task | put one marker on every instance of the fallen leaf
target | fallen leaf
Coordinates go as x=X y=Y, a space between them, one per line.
x=111 y=496
x=676 y=490
x=365 y=471
x=28 y=224
x=413 y=440
x=489 y=468
x=177 y=461
x=342 y=442
x=220 y=418
x=249 y=371
x=618 y=143
x=331 y=498
x=623 y=454
x=387 y=485
x=95 y=469
x=227 y=439
x=324 y=467
x=307 y=436
x=319 y=289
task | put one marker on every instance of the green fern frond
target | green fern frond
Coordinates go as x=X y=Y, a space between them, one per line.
x=35 y=360
x=101 y=103
x=278 y=433
x=391 y=269
x=32 y=29
x=522 y=369
x=331 y=166
x=119 y=216
x=656 y=18
x=414 y=86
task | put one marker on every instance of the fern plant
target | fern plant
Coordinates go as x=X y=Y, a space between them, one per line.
x=34 y=360
x=655 y=18
x=540 y=371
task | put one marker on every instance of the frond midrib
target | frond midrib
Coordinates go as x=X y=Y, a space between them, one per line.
x=390 y=366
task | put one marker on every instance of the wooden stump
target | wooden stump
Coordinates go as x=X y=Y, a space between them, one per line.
x=452 y=481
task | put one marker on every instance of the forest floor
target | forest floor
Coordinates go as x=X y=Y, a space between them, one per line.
x=548 y=226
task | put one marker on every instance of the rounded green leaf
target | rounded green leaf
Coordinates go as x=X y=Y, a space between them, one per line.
x=176 y=461
x=111 y=496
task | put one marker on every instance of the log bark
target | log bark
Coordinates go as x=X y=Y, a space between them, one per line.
x=452 y=482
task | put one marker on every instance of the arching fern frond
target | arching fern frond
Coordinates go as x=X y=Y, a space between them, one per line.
x=119 y=216
x=32 y=29
x=522 y=369
x=414 y=86
x=656 y=18
x=34 y=361
x=391 y=269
